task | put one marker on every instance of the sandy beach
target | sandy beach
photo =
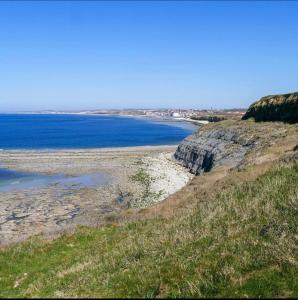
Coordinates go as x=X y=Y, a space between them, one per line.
x=138 y=177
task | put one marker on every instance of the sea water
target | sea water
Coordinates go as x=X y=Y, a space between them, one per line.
x=56 y=131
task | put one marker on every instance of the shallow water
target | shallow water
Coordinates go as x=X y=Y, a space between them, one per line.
x=16 y=181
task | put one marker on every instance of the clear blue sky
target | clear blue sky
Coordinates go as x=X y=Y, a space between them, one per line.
x=88 y=55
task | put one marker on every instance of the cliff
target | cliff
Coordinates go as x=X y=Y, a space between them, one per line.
x=210 y=147
x=228 y=143
x=275 y=108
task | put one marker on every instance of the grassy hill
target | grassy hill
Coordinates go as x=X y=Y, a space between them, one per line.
x=275 y=108
x=237 y=242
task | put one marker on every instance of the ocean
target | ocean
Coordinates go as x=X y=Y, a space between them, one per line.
x=57 y=131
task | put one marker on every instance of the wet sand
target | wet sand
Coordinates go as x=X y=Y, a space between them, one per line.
x=140 y=177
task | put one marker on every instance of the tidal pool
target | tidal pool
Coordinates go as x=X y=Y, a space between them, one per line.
x=11 y=180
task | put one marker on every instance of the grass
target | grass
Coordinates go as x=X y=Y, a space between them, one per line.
x=239 y=243
x=145 y=180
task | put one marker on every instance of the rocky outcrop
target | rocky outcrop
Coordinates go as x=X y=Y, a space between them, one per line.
x=212 y=147
x=227 y=142
x=275 y=108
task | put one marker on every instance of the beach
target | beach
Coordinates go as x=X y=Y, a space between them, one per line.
x=138 y=177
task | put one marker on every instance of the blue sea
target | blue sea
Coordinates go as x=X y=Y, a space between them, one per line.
x=52 y=131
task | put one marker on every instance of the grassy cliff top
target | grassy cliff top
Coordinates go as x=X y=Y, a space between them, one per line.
x=275 y=108
x=276 y=99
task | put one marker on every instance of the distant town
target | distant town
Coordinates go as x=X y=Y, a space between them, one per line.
x=192 y=115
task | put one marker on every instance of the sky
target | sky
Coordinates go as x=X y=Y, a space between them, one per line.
x=75 y=55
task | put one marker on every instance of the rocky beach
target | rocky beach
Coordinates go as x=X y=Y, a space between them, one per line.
x=138 y=177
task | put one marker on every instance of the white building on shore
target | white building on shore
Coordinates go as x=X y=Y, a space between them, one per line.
x=175 y=115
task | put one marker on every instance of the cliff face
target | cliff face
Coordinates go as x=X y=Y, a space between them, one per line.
x=234 y=144
x=275 y=108
x=206 y=149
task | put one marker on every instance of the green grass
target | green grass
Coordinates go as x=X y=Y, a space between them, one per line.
x=239 y=243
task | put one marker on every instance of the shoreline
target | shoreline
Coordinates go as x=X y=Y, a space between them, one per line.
x=141 y=176
x=95 y=149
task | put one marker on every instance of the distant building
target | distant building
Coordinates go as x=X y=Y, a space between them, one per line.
x=175 y=115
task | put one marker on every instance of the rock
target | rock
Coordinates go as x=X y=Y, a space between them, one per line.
x=275 y=108
x=206 y=149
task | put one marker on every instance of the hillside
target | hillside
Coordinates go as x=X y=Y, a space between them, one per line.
x=238 y=243
x=231 y=232
x=275 y=108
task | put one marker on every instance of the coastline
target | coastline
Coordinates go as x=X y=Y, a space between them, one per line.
x=136 y=116
x=140 y=176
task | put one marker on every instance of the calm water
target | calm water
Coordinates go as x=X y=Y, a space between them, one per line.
x=14 y=181
x=79 y=131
